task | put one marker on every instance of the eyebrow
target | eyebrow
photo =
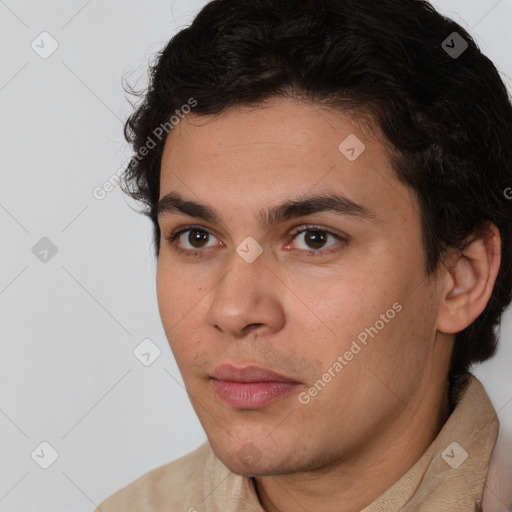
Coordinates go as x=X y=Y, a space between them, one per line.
x=300 y=207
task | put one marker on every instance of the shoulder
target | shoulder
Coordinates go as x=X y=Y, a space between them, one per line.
x=176 y=484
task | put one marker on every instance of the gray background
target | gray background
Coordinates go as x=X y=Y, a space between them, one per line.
x=69 y=325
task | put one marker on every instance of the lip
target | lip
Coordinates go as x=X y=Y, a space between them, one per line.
x=248 y=374
x=250 y=387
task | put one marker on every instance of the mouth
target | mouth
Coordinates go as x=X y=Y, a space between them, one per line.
x=250 y=387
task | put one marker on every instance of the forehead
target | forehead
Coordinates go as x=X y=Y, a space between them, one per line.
x=278 y=126
x=264 y=154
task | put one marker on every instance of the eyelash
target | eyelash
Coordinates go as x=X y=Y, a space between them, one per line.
x=200 y=252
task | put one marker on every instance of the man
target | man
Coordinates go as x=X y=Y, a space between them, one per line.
x=326 y=180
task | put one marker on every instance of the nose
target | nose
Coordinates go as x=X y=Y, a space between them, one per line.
x=247 y=299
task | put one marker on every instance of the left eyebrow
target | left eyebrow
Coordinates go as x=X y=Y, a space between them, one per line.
x=300 y=207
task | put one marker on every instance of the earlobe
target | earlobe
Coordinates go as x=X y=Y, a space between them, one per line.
x=468 y=283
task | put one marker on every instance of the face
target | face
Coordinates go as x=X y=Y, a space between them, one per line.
x=331 y=295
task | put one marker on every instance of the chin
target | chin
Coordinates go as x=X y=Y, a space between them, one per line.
x=256 y=469
x=254 y=458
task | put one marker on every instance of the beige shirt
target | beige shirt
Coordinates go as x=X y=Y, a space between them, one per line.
x=448 y=477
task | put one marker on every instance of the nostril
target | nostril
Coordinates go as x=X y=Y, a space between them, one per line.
x=251 y=327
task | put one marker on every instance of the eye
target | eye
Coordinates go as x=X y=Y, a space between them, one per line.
x=193 y=238
x=315 y=238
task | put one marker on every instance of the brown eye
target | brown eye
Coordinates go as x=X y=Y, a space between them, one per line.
x=192 y=240
x=197 y=237
x=315 y=239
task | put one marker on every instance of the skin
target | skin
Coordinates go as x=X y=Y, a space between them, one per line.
x=295 y=314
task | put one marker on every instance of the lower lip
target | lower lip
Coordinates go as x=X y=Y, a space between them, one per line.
x=251 y=395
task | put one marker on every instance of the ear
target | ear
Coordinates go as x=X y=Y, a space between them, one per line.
x=469 y=280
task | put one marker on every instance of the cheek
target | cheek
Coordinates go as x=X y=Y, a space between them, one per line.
x=177 y=291
x=403 y=350
x=182 y=313
x=166 y=295
x=372 y=312
x=346 y=303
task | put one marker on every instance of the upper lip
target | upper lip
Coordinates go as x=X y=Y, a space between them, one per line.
x=248 y=374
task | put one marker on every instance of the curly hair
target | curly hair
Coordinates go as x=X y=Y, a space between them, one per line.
x=446 y=117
